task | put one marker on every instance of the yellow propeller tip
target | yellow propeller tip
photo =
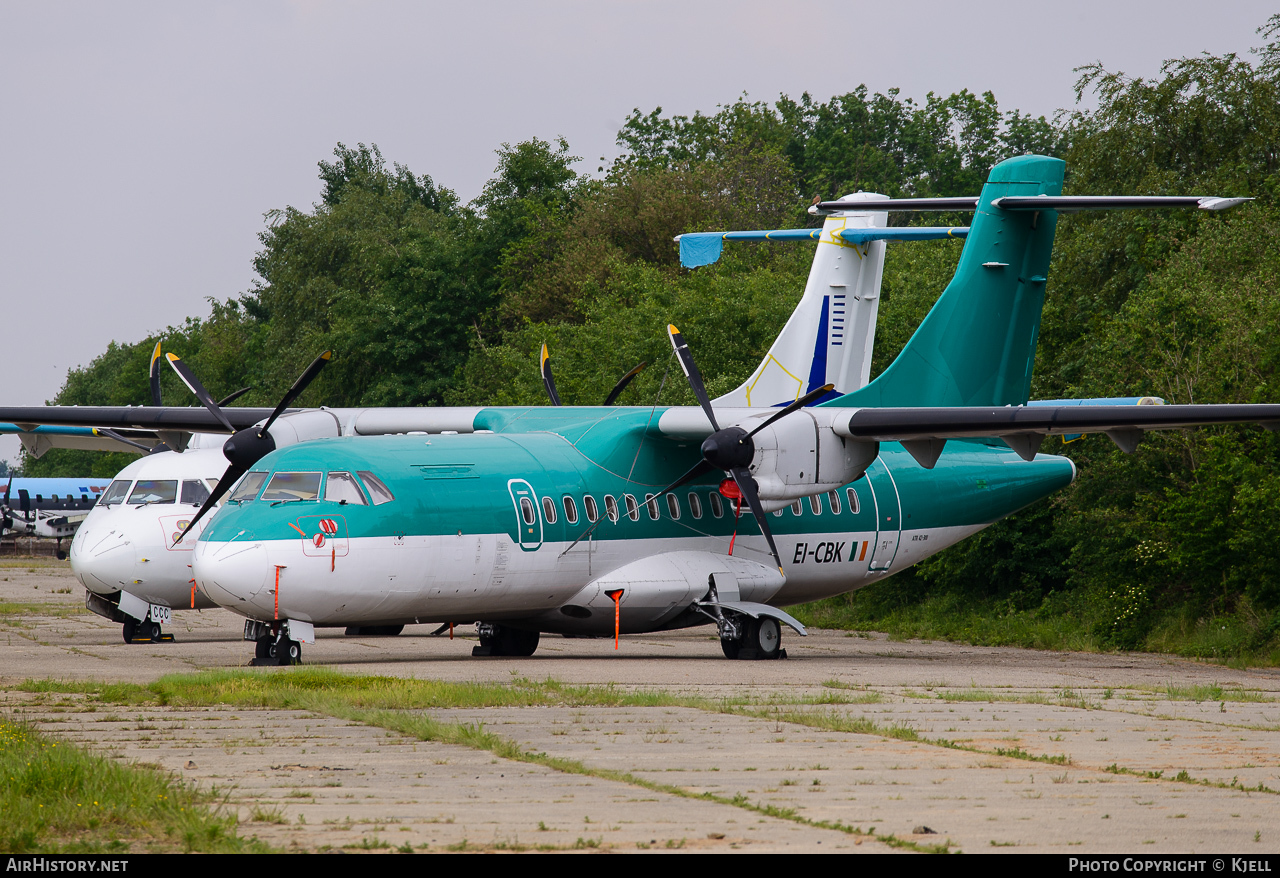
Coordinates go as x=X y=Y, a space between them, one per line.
x=172 y=357
x=671 y=328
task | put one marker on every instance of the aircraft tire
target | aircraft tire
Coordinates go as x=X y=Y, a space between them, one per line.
x=262 y=647
x=761 y=639
x=515 y=642
x=765 y=636
x=130 y=628
x=152 y=630
x=289 y=652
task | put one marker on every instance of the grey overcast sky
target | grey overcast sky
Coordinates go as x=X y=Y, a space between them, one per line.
x=143 y=142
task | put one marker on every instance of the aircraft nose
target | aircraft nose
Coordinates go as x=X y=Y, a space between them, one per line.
x=235 y=575
x=102 y=559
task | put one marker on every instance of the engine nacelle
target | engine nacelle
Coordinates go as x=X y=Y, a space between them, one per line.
x=295 y=427
x=801 y=455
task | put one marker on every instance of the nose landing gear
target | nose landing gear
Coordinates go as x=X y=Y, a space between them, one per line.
x=144 y=632
x=276 y=650
x=272 y=647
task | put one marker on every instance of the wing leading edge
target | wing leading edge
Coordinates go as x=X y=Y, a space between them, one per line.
x=924 y=431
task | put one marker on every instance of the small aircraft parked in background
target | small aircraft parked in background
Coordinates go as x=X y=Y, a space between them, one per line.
x=48 y=508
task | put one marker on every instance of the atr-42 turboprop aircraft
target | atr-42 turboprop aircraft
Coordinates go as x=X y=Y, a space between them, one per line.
x=617 y=520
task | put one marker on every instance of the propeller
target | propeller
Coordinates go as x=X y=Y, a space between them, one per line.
x=227 y=400
x=731 y=449
x=622 y=383
x=250 y=445
x=145 y=449
x=6 y=510
x=155 y=377
x=549 y=382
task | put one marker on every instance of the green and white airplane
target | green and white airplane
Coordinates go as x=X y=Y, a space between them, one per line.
x=612 y=520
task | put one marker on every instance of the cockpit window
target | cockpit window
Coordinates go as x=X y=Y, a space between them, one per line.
x=194 y=493
x=342 y=488
x=116 y=492
x=377 y=490
x=149 y=491
x=293 y=486
x=248 y=488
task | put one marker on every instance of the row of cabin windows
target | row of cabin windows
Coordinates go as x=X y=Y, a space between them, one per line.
x=70 y=498
x=652 y=505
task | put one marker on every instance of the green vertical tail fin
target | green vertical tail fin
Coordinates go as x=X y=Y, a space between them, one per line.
x=976 y=347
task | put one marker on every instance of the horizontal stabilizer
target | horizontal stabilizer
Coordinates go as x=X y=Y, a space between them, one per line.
x=1073 y=203
x=1060 y=203
x=964 y=202
x=1119 y=422
x=704 y=248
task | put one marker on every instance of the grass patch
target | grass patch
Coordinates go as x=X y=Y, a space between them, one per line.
x=953 y=617
x=29 y=561
x=1185 y=777
x=58 y=798
x=907 y=608
x=1211 y=692
x=25 y=609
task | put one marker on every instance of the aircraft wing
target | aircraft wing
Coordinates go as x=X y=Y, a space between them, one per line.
x=141 y=417
x=38 y=439
x=923 y=431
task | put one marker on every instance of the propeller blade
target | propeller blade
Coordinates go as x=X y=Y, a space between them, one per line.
x=298 y=386
x=700 y=468
x=691 y=372
x=225 y=401
x=747 y=486
x=622 y=383
x=193 y=384
x=112 y=434
x=795 y=406
x=155 y=376
x=224 y=485
x=547 y=381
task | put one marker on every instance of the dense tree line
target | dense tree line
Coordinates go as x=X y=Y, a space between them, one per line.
x=429 y=301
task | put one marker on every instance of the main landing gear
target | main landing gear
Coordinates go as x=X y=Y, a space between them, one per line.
x=500 y=640
x=742 y=637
